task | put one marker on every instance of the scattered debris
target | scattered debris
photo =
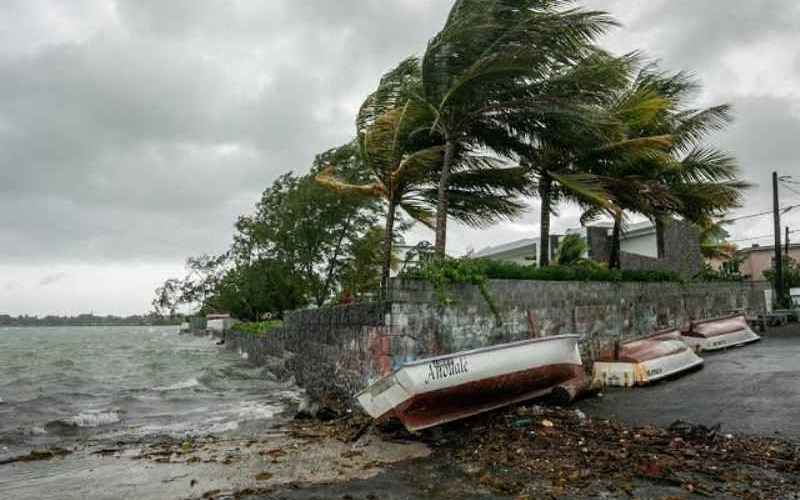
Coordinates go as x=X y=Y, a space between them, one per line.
x=264 y=476
x=572 y=454
x=37 y=455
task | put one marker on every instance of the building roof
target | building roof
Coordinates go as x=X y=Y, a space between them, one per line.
x=766 y=248
x=639 y=229
x=508 y=247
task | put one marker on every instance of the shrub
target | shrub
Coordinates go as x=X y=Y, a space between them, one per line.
x=259 y=328
x=585 y=271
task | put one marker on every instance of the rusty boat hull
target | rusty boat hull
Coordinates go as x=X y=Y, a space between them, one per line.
x=646 y=360
x=434 y=391
x=721 y=333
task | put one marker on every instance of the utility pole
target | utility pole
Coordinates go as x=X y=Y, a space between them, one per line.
x=778 y=256
x=786 y=253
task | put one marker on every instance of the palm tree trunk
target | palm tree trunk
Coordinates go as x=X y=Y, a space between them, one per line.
x=388 y=240
x=442 y=205
x=614 y=261
x=545 y=194
x=660 y=243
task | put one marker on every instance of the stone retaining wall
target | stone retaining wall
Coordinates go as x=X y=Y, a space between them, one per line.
x=339 y=351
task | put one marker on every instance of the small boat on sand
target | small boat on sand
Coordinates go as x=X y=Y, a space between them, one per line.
x=433 y=391
x=720 y=333
x=646 y=360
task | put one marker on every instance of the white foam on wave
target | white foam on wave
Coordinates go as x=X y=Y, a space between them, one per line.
x=251 y=410
x=186 y=384
x=245 y=356
x=94 y=419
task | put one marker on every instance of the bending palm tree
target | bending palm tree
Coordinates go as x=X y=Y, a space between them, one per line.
x=677 y=177
x=481 y=76
x=405 y=160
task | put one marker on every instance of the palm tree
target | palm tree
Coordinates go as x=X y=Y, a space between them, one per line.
x=482 y=75
x=404 y=160
x=670 y=172
x=554 y=153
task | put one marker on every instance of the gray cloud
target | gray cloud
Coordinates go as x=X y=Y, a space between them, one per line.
x=133 y=132
x=52 y=279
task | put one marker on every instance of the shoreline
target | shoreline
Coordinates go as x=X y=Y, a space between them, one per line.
x=524 y=452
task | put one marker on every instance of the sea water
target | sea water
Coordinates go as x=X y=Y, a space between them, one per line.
x=78 y=387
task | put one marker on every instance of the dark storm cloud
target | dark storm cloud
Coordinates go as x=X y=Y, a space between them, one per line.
x=139 y=130
x=745 y=54
x=143 y=132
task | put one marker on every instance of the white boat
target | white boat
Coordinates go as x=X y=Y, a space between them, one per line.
x=646 y=360
x=720 y=333
x=433 y=391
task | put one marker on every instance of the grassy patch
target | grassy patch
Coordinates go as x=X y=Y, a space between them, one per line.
x=259 y=328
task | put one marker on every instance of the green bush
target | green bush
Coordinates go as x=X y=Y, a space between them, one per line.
x=586 y=271
x=259 y=328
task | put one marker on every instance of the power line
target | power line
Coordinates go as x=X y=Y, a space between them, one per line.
x=786 y=186
x=753 y=238
x=760 y=214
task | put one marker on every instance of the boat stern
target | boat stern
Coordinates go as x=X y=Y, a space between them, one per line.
x=721 y=333
x=380 y=398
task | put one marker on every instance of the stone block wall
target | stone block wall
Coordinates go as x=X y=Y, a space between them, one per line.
x=332 y=352
x=600 y=312
x=339 y=351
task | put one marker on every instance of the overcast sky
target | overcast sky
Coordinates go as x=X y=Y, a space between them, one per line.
x=133 y=132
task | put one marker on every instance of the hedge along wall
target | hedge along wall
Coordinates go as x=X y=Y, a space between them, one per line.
x=339 y=351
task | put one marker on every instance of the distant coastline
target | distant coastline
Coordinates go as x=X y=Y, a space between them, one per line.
x=88 y=320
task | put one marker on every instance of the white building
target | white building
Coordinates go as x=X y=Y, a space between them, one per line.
x=639 y=238
x=523 y=252
x=219 y=322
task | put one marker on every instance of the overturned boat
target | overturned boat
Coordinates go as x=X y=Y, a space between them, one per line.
x=720 y=333
x=646 y=360
x=433 y=391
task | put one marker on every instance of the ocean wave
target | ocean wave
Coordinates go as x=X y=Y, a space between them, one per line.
x=255 y=411
x=186 y=384
x=93 y=419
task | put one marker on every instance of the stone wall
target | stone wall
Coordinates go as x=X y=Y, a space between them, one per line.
x=339 y=351
x=332 y=352
x=599 y=312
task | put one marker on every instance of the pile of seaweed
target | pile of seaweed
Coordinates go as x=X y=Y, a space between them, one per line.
x=536 y=452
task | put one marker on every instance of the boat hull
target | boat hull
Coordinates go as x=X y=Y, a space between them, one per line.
x=447 y=388
x=719 y=334
x=646 y=360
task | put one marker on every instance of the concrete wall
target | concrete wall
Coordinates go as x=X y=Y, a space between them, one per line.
x=336 y=352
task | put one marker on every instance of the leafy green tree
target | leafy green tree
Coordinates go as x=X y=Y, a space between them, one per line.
x=167 y=298
x=248 y=291
x=791 y=279
x=308 y=227
x=361 y=275
x=571 y=250
x=482 y=75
